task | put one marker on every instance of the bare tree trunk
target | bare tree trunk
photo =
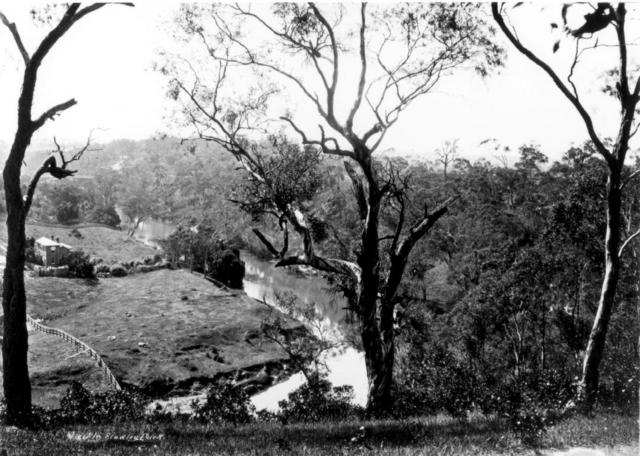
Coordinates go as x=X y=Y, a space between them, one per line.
x=369 y=261
x=17 y=388
x=588 y=388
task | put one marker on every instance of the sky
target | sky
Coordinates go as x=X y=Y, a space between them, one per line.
x=106 y=63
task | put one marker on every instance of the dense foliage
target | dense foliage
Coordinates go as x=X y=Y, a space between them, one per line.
x=521 y=257
x=317 y=400
x=225 y=403
x=199 y=248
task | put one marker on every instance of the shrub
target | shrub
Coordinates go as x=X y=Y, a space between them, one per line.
x=102 y=268
x=225 y=403
x=318 y=400
x=31 y=255
x=226 y=266
x=530 y=403
x=79 y=406
x=201 y=249
x=436 y=381
x=106 y=215
x=80 y=265
x=118 y=270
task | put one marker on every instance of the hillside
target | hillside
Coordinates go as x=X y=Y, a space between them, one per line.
x=163 y=331
x=111 y=245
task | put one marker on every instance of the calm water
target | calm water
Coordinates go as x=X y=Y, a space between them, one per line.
x=345 y=365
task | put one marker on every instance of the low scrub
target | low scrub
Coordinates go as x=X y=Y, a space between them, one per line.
x=317 y=400
x=225 y=403
x=80 y=265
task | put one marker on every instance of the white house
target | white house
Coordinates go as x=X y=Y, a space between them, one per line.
x=53 y=253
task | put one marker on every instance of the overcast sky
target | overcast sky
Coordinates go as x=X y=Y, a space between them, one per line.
x=106 y=63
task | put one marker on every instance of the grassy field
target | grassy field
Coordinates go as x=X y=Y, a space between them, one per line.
x=437 y=436
x=155 y=331
x=101 y=242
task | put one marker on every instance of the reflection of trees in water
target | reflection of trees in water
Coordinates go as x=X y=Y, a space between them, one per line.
x=262 y=278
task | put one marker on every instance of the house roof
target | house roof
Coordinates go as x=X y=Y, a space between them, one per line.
x=47 y=242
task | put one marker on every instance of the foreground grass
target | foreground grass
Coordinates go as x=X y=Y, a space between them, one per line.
x=613 y=434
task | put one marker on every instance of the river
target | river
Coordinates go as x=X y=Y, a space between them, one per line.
x=345 y=365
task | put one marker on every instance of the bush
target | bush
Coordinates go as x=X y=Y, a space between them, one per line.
x=203 y=250
x=31 y=255
x=225 y=403
x=226 y=266
x=79 y=406
x=437 y=381
x=318 y=400
x=118 y=270
x=106 y=215
x=531 y=403
x=80 y=265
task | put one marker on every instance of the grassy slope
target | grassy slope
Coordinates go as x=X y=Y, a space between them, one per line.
x=101 y=242
x=614 y=435
x=191 y=329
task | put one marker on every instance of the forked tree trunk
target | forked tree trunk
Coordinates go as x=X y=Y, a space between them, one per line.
x=588 y=388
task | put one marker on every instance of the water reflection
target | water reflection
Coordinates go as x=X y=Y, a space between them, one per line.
x=345 y=366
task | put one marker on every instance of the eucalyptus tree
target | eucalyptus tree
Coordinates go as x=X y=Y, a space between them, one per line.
x=356 y=69
x=603 y=29
x=17 y=388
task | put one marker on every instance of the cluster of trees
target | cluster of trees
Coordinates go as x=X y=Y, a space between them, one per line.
x=199 y=247
x=523 y=248
x=139 y=180
x=400 y=55
x=511 y=246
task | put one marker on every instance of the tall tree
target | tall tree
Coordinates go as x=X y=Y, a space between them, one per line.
x=605 y=18
x=399 y=54
x=17 y=388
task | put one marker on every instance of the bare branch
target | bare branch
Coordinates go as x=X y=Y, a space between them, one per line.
x=627 y=241
x=363 y=70
x=50 y=166
x=266 y=243
x=334 y=49
x=621 y=12
x=600 y=147
x=322 y=143
x=16 y=36
x=51 y=113
x=631 y=176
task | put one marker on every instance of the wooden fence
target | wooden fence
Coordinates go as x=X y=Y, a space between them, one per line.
x=79 y=347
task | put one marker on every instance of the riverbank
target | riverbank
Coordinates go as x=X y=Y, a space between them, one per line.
x=604 y=435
